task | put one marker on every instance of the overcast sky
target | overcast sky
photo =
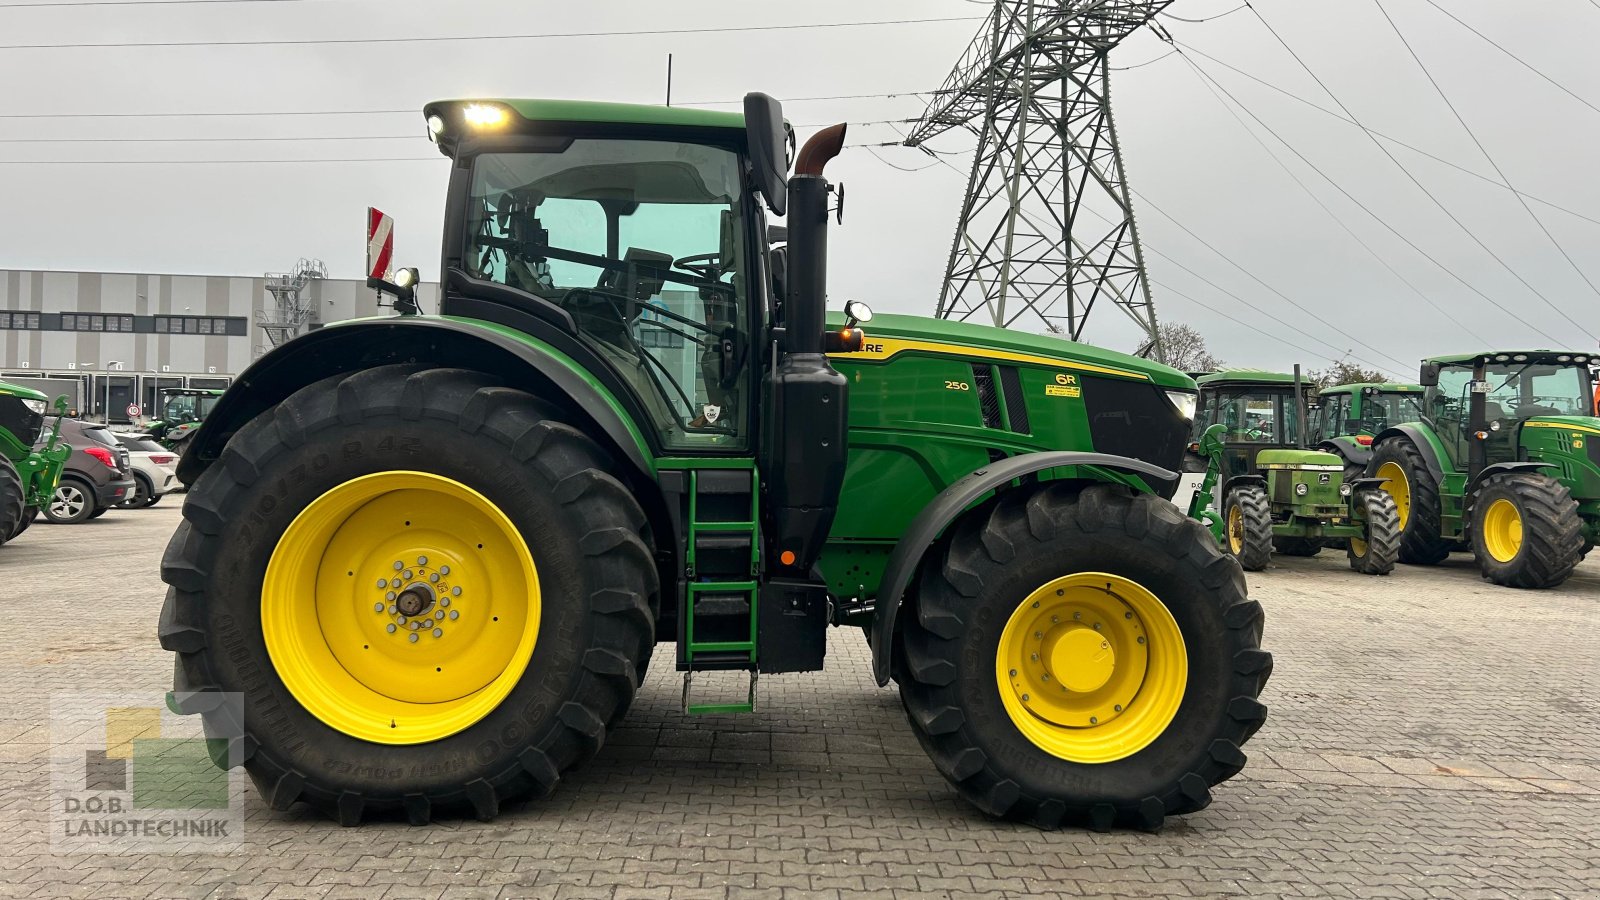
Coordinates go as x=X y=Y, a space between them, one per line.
x=1188 y=158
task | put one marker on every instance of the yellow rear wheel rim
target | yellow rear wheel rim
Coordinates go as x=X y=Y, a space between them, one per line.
x=350 y=567
x=1395 y=483
x=1091 y=667
x=1502 y=530
x=1235 y=529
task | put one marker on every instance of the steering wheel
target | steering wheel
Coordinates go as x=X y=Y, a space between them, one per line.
x=705 y=265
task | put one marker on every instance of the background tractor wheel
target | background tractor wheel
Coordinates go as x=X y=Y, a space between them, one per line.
x=1297 y=546
x=1083 y=658
x=1377 y=552
x=1247 y=526
x=1526 y=532
x=342 y=519
x=1416 y=500
x=13 y=501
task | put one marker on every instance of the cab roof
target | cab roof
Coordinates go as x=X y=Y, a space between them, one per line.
x=1541 y=356
x=1248 y=376
x=1387 y=387
x=531 y=112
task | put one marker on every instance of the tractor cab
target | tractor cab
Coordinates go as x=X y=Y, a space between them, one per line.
x=1349 y=415
x=180 y=406
x=1257 y=411
x=1490 y=408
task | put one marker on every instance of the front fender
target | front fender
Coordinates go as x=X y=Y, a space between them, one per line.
x=950 y=504
x=522 y=361
x=1349 y=449
x=1426 y=443
x=1503 y=467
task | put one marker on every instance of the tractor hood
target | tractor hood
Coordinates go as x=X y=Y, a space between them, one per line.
x=1585 y=424
x=889 y=335
x=16 y=390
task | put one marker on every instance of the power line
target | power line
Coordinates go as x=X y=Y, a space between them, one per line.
x=1207 y=18
x=1285 y=297
x=1190 y=48
x=438 y=39
x=1524 y=63
x=1254 y=326
x=1412 y=178
x=208 y=162
x=1143 y=64
x=1210 y=83
x=1492 y=164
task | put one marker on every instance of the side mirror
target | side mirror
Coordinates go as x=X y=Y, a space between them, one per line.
x=1429 y=377
x=765 y=134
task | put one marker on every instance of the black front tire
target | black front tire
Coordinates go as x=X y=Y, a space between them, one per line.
x=590 y=541
x=137 y=497
x=13 y=500
x=993 y=559
x=1250 y=538
x=1551 y=530
x=1377 y=553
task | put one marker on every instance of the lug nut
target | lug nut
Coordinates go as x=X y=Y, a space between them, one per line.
x=415 y=626
x=402 y=620
x=1034 y=657
x=413 y=637
x=396 y=583
x=444 y=570
x=1054 y=619
x=398 y=565
x=383 y=582
x=377 y=607
x=1076 y=616
x=444 y=601
x=1127 y=615
x=1093 y=720
x=390 y=629
x=1013 y=673
x=455 y=591
x=434 y=578
x=438 y=632
x=455 y=614
x=1026 y=698
x=390 y=596
x=438 y=614
x=1119 y=707
x=407 y=574
x=422 y=560
x=1141 y=638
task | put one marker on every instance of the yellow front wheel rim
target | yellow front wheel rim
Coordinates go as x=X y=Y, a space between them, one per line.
x=1091 y=667
x=400 y=607
x=1395 y=483
x=1235 y=529
x=1502 y=530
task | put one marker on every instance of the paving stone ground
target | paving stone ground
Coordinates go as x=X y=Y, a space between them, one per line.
x=1430 y=736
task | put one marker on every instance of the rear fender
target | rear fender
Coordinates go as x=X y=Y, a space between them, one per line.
x=1427 y=445
x=1349 y=450
x=524 y=362
x=955 y=500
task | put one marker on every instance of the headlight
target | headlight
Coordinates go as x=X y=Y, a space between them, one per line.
x=484 y=115
x=1301 y=489
x=37 y=407
x=1344 y=490
x=1185 y=403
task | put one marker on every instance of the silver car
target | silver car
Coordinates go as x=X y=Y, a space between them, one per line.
x=155 y=470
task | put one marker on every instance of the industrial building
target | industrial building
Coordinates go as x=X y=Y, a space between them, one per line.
x=111 y=340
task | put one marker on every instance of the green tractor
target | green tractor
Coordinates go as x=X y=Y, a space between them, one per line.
x=434 y=553
x=1349 y=415
x=1275 y=495
x=182 y=411
x=1505 y=462
x=29 y=469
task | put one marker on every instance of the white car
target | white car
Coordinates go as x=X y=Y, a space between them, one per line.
x=155 y=470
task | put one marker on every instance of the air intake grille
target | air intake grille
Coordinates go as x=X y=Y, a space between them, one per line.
x=988 y=401
x=1016 y=406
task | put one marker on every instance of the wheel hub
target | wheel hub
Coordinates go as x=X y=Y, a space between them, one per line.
x=1091 y=667
x=417 y=600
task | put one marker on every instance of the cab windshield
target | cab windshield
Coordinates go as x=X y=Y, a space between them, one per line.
x=188 y=407
x=1387 y=409
x=642 y=242
x=1517 y=391
x=1251 y=415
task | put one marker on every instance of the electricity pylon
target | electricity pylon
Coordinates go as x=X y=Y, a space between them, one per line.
x=1034 y=88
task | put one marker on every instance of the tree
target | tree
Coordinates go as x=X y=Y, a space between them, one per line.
x=1185 y=349
x=1344 y=372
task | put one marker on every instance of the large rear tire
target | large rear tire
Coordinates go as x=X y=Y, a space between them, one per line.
x=1416 y=498
x=1526 y=531
x=13 y=500
x=1376 y=553
x=1247 y=526
x=491 y=507
x=1162 y=626
x=28 y=515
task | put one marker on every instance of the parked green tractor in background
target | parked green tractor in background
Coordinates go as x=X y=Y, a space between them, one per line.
x=1349 y=415
x=1505 y=462
x=182 y=411
x=28 y=473
x=1274 y=495
x=434 y=553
